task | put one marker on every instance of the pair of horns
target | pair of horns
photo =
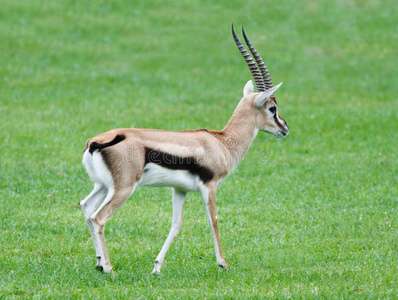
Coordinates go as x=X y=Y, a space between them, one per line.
x=258 y=69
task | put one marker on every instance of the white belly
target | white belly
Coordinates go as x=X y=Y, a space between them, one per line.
x=155 y=175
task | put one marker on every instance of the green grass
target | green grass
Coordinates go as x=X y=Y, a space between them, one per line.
x=311 y=216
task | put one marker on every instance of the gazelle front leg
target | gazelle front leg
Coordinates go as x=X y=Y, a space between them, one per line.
x=208 y=193
x=178 y=206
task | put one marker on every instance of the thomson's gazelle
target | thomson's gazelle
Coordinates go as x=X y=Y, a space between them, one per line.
x=121 y=160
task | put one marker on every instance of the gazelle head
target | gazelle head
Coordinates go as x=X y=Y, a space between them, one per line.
x=264 y=101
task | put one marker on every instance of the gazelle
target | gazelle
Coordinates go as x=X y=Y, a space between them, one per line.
x=121 y=160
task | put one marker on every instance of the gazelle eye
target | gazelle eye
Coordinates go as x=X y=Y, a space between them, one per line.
x=273 y=110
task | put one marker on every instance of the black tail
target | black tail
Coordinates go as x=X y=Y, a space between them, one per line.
x=94 y=145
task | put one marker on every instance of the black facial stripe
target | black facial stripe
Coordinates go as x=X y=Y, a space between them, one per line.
x=174 y=162
x=277 y=121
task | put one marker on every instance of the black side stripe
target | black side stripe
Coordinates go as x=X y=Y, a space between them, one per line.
x=174 y=162
x=94 y=145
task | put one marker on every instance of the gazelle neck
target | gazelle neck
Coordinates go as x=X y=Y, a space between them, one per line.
x=240 y=131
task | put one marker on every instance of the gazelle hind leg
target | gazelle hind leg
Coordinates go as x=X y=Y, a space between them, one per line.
x=208 y=194
x=178 y=206
x=89 y=205
x=114 y=200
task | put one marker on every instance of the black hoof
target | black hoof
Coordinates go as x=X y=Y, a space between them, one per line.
x=223 y=267
x=99 y=268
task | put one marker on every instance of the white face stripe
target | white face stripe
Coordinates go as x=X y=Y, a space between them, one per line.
x=282 y=122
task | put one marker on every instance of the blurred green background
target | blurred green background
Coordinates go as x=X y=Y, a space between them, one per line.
x=313 y=215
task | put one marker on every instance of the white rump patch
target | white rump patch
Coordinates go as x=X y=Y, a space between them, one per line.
x=96 y=168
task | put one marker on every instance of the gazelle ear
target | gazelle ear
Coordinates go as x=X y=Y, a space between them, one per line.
x=249 y=88
x=265 y=95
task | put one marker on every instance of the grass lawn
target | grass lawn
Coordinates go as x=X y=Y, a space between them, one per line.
x=313 y=215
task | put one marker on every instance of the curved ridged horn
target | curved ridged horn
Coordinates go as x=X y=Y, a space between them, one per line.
x=252 y=65
x=264 y=71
